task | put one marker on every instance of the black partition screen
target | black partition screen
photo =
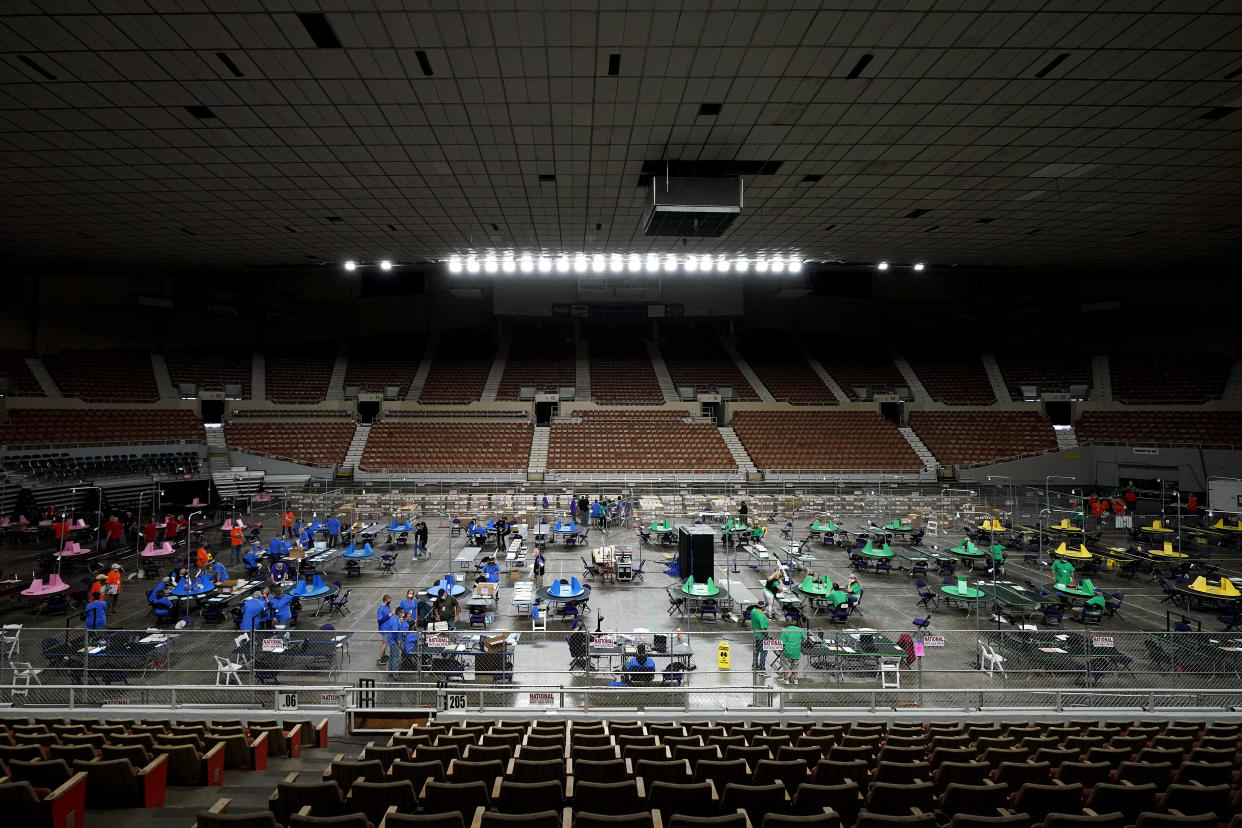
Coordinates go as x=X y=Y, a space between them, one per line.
x=695 y=552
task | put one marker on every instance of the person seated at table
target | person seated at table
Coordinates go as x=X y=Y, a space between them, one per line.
x=161 y=604
x=410 y=602
x=202 y=557
x=251 y=560
x=489 y=572
x=539 y=567
x=854 y=590
x=837 y=596
x=181 y=573
x=640 y=668
x=1097 y=603
x=998 y=559
x=218 y=573
x=95 y=615
x=254 y=612
x=282 y=606
x=279 y=571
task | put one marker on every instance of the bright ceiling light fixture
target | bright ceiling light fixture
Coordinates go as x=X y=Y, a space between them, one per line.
x=562 y=264
x=526 y=263
x=385 y=264
x=598 y=263
x=670 y=262
x=778 y=264
x=580 y=263
x=351 y=265
x=795 y=265
x=691 y=265
x=472 y=264
x=918 y=265
x=761 y=266
x=454 y=264
x=545 y=264
x=507 y=264
x=634 y=263
x=722 y=264
x=616 y=263
x=653 y=263
x=490 y=265
x=882 y=266
x=742 y=264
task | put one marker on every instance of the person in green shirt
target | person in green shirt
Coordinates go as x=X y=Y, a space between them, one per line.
x=837 y=596
x=998 y=558
x=1097 y=603
x=854 y=590
x=1062 y=571
x=791 y=639
x=759 y=623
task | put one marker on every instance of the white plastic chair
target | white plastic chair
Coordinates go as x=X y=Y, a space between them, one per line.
x=890 y=674
x=539 y=621
x=23 y=672
x=990 y=660
x=228 y=671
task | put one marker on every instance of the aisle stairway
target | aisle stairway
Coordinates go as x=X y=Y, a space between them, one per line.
x=582 y=371
x=1067 y=438
x=357 y=445
x=497 y=373
x=537 y=465
x=744 y=367
x=929 y=460
x=1233 y=387
x=424 y=368
x=996 y=379
x=258 y=376
x=821 y=372
x=917 y=391
x=1101 y=380
x=163 y=381
x=663 y=377
x=41 y=375
x=740 y=456
x=336 y=383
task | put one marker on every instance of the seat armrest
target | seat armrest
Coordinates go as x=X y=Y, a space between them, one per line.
x=715 y=798
x=742 y=811
x=569 y=787
x=656 y=822
x=258 y=752
x=305 y=811
x=477 y=820
x=642 y=789
x=321 y=734
x=294 y=739
x=154 y=781
x=66 y=806
x=567 y=818
x=496 y=789
x=213 y=766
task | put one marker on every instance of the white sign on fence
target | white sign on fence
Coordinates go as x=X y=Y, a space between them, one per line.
x=286 y=701
x=772 y=645
x=542 y=699
x=438 y=642
x=330 y=698
x=452 y=701
x=1104 y=641
x=933 y=641
x=603 y=641
x=271 y=645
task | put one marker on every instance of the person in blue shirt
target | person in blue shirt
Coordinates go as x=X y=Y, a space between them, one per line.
x=254 y=612
x=382 y=614
x=393 y=629
x=278 y=572
x=160 y=603
x=334 y=532
x=278 y=548
x=251 y=560
x=282 y=604
x=298 y=526
x=492 y=571
x=95 y=614
x=218 y=573
x=410 y=644
x=641 y=667
x=304 y=539
x=597 y=514
x=410 y=602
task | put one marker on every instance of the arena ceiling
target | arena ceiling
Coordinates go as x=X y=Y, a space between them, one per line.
x=233 y=133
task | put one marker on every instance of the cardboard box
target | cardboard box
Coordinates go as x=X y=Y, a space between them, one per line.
x=495 y=643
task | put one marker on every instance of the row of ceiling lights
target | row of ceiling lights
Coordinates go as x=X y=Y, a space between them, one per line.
x=616 y=263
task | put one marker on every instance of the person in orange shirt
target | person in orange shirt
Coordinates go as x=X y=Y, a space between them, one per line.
x=113 y=584
x=235 y=537
x=286 y=525
x=202 y=557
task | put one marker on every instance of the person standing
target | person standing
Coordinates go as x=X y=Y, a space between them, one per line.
x=113 y=531
x=410 y=603
x=282 y=605
x=286 y=525
x=112 y=586
x=759 y=624
x=791 y=641
x=334 y=532
x=95 y=614
x=743 y=513
x=382 y=614
x=420 y=540
x=1131 y=498
x=394 y=630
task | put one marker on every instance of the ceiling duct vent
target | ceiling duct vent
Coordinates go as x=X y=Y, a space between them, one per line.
x=685 y=207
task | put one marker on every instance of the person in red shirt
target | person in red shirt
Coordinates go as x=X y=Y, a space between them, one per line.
x=60 y=529
x=286 y=525
x=1192 y=507
x=1119 y=506
x=1097 y=511
x=113 y=529
x=1131 y=499
x=171 y=526
x=149 y=532
x=202 y=558
x=235 y=537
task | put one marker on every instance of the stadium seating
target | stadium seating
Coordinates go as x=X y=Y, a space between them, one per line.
x=1204 y=428
x=298 y=376
x=212 y=368
x=1046 y=372
x=447 y=446
x=318 y=442
x=99 y=427
x=859 y=365
x=376 y=365
x=1168 y=378
x=964 y=437
x=699 y=362
x=643 y=440
x=543 y=360
x=823 y=441
x=63 y=466
x=954 y=380
x=459 y=369
x=104 y=376
x=621 y=372
x=783 y=371
x=22 y=383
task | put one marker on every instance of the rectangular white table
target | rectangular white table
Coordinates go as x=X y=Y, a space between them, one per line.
x=466 y=557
